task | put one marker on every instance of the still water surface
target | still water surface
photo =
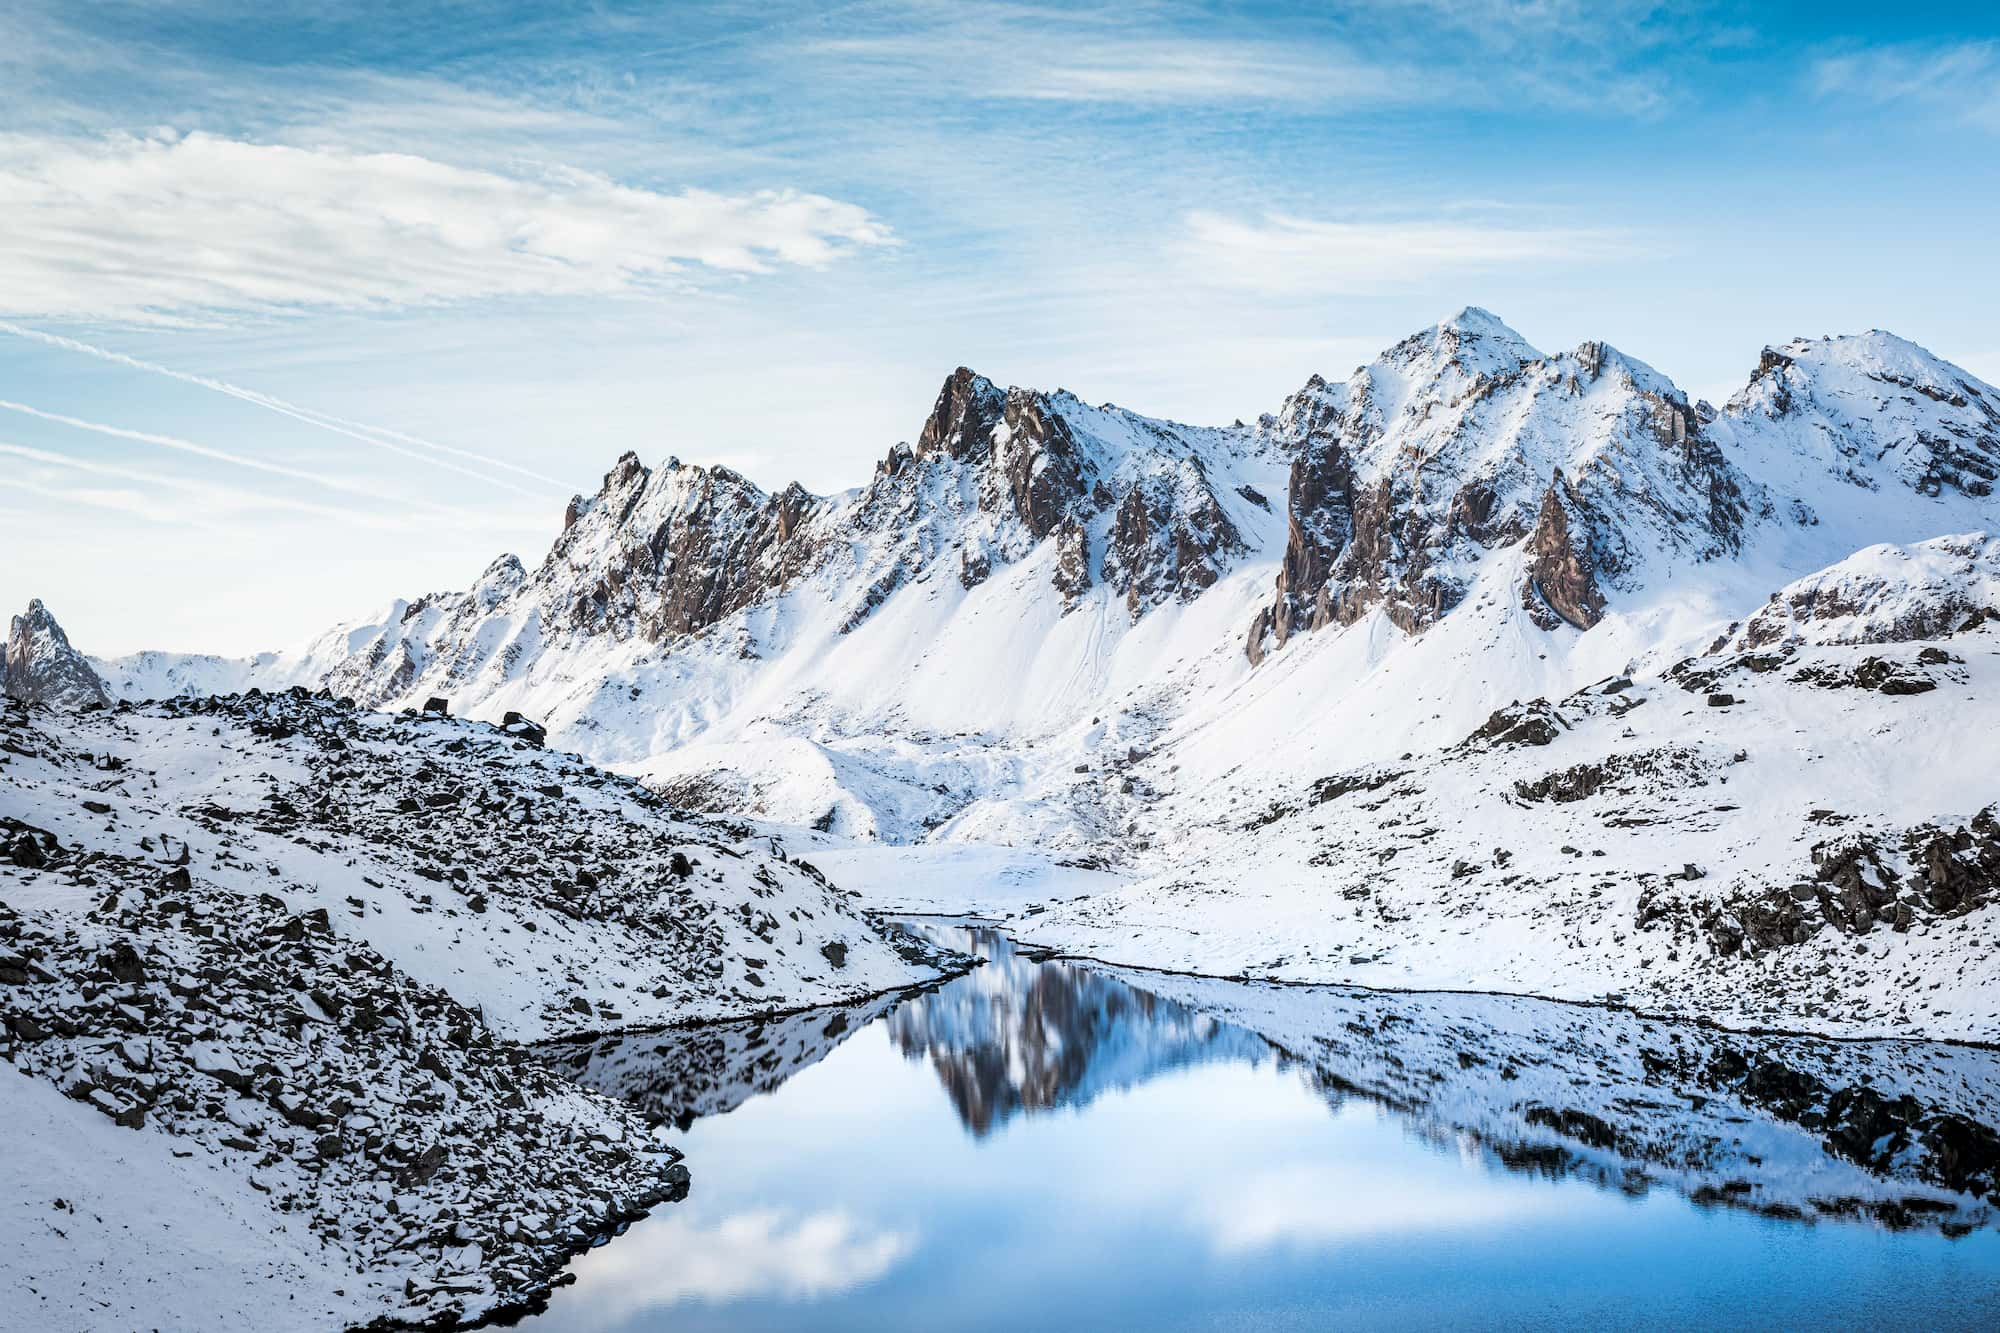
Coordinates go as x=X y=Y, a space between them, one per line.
x=1048 y=1145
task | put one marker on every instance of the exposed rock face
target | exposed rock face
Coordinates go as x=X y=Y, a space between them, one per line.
x=961 y=423
x=40 y=667
x=1441 y=451
x=1319 y=512
x=1884 y=594
x=1038 y=466
x=1561 y=575
x=707 y=543
x=1170 y=539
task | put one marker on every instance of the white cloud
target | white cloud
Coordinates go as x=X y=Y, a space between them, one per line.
x=1605 y=57
x=761 y=1253
x=1282 y=254
x=1307 y=1205
x=1211 y=71
x=1085 y=68
x=1030 y=55
x=1961 y=82
x=139 y=227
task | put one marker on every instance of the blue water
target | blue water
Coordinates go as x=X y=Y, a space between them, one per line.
x=1044 y=1146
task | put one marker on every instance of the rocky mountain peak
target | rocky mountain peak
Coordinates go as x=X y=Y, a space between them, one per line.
x=961 y=422
x=1472 y=345
x=1871 y=409
x=1477 y=324
x=500 y=580
x=1443 y=448
x=40 y=667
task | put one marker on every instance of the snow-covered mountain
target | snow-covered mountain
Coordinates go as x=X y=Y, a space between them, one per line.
x=1120 y=640
x=37 y=664
x=1023 y=621
x=1463 y=439
x=662 y=557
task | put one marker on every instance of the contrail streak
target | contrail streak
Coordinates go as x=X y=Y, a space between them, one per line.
x=213 y=492
x=353 y=430
x=134 y=506
x=221 y=456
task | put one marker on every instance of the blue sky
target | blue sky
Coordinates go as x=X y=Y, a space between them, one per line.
x=453 y=260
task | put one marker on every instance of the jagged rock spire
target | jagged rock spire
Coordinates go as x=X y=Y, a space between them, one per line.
x=40 y=667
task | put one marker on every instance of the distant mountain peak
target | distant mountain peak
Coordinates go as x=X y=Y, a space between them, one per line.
x=40 y=666
x=1479 y=339
x=1478 y=321
x=1871 y=409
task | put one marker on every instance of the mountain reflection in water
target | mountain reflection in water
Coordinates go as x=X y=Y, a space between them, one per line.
x=1898 y=1133
x=1116 y=1149
x=1018 y=1035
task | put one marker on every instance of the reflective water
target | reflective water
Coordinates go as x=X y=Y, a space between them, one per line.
x=1043 y=1145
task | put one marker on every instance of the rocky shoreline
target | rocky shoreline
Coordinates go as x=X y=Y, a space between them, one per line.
x=220 y=922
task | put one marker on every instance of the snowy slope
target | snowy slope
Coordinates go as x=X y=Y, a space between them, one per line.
x=118 y=1222
x=157 y=675
x=1797 y=830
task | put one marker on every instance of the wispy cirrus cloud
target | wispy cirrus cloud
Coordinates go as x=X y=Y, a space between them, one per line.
x=1091 y=66
x=1279 y=253
x=378 y=437
x=1959 y=81
x=157 y=226
x=1613 y=56
x=200 y=502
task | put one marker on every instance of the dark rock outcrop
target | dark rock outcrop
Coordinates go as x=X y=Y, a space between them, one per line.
x=1319 y=520
x=1532 y=723
x=961 y=423
x=1562 y=577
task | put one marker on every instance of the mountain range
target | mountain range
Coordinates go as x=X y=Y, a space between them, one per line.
x=1151 y=647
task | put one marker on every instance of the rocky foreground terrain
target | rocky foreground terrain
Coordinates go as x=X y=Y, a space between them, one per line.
x=290 y=950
